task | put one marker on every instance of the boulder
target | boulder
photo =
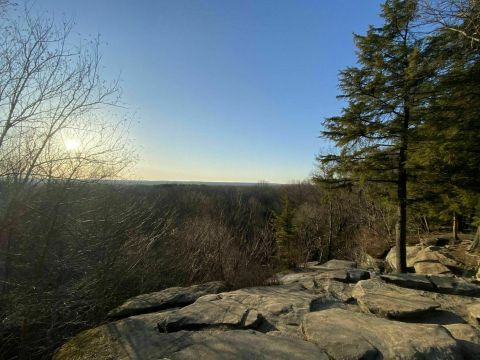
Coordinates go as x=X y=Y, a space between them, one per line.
x=165 y=299
x=391 y=258
x=434 y=254
x=469 y=339
x=338 y=290
x=376 y=297
x=345 y=334
x=370 y=263
x=429 y=267
x=430 y=260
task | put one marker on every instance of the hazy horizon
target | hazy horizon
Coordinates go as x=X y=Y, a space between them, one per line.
x=224 y=91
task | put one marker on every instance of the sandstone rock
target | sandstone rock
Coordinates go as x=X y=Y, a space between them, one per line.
x=454 y=285
x=473 y=311
x=442 y=284
x=429 y=267
x=135 y=339
x=247 y=345
x=207 y=312
x=339 y=264
x=355 y=275
x=376 y=297
x=273 y=322
x=431 y=261
x=168 y=298
x=370 y=263
x=469 y=339
x=336 y=274
x=306 y=279
x=338 y=290
x=434 y=254
x=281 y=307
x=311 y=279
x=265 y=308
x=345 y=275
x=412 y=281
x=349 y=335
x=391 y=258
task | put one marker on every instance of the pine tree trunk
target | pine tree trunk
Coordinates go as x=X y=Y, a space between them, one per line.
x=401 y=226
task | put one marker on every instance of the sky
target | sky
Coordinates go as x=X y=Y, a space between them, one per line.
x=224 y=90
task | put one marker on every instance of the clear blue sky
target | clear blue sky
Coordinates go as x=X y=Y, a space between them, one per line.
x=225 y=90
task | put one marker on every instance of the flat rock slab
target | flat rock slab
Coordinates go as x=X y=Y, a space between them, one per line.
x=135 y=339
x=339 y=264
x=306 y=279
x=454 y=286
x=436 y=283
x=313 y=279
x=214 y=312
x=279 y=307
x=247 y=345
x=411 y=281
x=168 y=298
x=267 y=308
x=376 y=297
x=346 y=335
x=469 y=339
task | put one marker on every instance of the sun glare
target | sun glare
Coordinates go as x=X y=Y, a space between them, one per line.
x=72 y=144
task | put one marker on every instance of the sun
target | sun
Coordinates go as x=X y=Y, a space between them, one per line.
x=72 y=144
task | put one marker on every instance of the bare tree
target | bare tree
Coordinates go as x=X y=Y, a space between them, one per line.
x=53 y=101
x=460 y=16
x=56 y=122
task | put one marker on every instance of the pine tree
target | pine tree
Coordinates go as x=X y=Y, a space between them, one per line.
x=385 y=95
x=447 y=159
